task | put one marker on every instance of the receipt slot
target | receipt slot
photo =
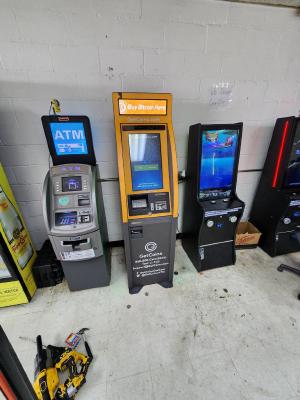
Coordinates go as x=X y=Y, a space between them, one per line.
x=212 y=209
x=72 y=203
x=148 y=186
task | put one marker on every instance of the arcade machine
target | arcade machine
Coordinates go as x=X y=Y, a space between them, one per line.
x=148 y=186
x=276 y=207
x=72 y=203
x=212 y=209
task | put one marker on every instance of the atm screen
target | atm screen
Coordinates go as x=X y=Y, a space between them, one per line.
x=292 y=178
x=145 y=160
x=68 y=138
x=218 y=159
x=66 y=218
x=71 y=184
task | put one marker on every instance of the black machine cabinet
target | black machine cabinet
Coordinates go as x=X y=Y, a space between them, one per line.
x=212 y=209
x=14 y=383
x=276 y=207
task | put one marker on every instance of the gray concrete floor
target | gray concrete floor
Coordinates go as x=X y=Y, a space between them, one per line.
x=230 y=333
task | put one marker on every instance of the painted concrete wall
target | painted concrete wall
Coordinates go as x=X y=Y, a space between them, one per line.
x=80 y=51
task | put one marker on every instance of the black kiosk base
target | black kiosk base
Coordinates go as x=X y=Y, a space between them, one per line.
x=212 y=209
x=150 y=252
x=209 y=242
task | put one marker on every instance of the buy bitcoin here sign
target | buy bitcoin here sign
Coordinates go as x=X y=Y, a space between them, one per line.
x=142 y=107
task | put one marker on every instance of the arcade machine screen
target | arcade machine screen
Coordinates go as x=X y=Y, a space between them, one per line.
x=217 y=162
x=69 y=138
x=145 y=160
x=292 y=178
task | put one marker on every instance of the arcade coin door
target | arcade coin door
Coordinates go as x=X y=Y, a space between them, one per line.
x=148 y=186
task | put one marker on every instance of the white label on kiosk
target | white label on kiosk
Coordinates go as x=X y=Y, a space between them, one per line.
x=77 y=255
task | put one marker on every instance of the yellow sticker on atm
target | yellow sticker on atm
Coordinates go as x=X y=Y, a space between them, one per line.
x=142 y=107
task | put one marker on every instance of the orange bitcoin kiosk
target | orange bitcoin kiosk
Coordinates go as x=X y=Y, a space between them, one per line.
x=148 y=179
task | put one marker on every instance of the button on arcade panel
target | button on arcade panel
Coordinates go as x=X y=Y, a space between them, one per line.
x=220 y=218
x=148 y=203
x=291 y=218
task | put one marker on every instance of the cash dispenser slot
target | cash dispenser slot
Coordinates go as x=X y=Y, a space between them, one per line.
x=136 y=232
x=84 y=200
x=138 y=204
x=80 y=244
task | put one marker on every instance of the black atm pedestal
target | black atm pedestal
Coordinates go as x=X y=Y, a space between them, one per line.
x=212 y=209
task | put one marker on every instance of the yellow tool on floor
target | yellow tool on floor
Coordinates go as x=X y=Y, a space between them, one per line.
x=52 y=360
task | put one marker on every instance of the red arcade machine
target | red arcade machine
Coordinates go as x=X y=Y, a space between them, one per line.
x=276 y=207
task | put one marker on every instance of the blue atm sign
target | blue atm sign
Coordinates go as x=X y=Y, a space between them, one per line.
x=68 y=138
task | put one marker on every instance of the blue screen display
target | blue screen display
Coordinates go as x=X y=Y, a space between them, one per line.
x=292 y=173
x=145 y=159
x=69 y=138
x=218 y=158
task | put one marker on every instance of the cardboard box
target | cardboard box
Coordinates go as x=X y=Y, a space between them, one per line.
x=247 y=235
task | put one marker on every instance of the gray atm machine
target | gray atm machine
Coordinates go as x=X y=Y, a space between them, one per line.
x=73 y=205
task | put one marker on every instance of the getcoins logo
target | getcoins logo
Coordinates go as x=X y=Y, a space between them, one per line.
x=150 y=246
x=122 y=106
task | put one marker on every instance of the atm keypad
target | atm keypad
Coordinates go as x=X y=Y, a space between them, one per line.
x=161 y=206
x=150 y=203
x=83 y=219
x=57 y=188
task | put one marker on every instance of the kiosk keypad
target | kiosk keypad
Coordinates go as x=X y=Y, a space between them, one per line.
x=149 y=203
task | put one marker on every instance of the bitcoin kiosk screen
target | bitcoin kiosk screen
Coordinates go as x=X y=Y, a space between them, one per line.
x=145 y=161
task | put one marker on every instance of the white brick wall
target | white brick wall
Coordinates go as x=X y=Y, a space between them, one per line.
x=182 y=46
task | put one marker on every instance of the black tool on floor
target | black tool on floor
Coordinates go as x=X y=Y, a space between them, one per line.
x=47 y=270
x=283 y=267
x=294 y=270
